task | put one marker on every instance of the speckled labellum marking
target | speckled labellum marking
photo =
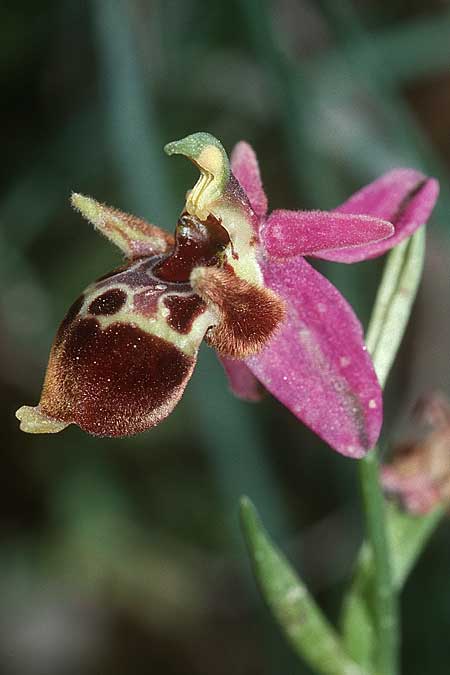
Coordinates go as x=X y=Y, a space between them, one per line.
x=116 y=381
x=183 y=310
x=109 y=302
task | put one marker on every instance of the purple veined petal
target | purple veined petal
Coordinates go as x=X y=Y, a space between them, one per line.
x=241 y=379
x=244 y=166
x=404 y=197
x=289 y=233
x=317 y=364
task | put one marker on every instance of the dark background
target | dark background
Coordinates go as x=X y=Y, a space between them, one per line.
x=125 y=556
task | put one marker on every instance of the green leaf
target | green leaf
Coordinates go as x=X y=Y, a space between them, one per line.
x=358 y=628
x=407 y=537
x=302 y=622
x=392 y=309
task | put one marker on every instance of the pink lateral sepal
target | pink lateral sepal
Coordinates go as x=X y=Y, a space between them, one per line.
x=317 y=364
x=404 y=197
x=245 y=168
x=289 y=233
x=242 y=382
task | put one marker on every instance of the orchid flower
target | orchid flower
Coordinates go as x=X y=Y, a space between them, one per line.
x=419 y=471
x=235 y=276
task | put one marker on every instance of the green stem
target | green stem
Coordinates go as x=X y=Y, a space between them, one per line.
x=390 y=316
x=385 y=598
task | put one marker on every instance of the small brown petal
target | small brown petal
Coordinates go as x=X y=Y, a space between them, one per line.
x=134 y=236
x=248 y=314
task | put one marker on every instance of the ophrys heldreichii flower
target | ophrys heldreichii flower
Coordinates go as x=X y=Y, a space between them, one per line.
x=236 y=277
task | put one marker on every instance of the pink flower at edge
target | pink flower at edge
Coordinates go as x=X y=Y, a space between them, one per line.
x=237 y=278
x=317 y=364
x=418 y=474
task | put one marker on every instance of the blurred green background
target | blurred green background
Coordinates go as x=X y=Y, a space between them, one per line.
x=125 y=556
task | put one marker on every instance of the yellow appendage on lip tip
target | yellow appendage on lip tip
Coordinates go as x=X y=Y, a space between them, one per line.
x=33 y=421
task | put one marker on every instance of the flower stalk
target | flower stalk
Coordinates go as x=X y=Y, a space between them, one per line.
x=370 y=639
x=390 y=316
x=385 y=597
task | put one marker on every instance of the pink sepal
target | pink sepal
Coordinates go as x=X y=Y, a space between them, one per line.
x=317 y=364
x=289 y=233
x=404 y=197
x=244 y=166
x=241 y=380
